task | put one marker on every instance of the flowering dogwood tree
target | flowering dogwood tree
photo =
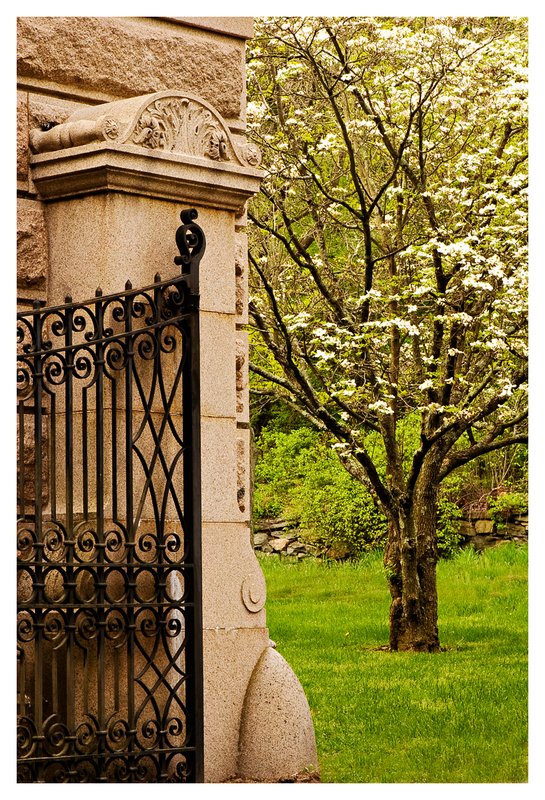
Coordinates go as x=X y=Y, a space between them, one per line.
x=389 y=249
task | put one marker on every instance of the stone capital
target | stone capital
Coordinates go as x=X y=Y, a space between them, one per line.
x=169 y=145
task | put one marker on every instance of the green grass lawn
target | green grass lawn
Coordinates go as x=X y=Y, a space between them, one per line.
x=380 y=717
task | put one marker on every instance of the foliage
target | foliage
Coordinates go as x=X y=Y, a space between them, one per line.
x=389 y=241
x=282 y=468
x=389 y=249
x=342 y=516
x=507 y=505
x=274 y=415
x=299 y=478
x=459 y=717
x=448 y=527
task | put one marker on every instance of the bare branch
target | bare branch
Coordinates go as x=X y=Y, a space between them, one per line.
x=462 y=457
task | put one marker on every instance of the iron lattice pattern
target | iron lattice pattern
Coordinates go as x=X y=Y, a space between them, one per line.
x=109 y=666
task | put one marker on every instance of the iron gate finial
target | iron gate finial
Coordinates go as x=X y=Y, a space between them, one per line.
x=191 y=243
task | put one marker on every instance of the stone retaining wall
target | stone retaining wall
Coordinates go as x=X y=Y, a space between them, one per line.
x=484 y=532
x=286 y=538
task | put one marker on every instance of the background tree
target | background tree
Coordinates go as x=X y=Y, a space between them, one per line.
x=389 y=248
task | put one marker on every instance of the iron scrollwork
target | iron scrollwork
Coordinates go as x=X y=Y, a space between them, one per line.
x=109 y=653
x=191 y=243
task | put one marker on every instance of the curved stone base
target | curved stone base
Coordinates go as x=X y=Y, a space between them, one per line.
x=276 y=734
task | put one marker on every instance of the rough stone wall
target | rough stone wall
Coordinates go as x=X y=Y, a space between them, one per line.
x=285 y=538
x=67 y=63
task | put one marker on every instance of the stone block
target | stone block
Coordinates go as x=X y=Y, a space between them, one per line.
x=511 y=529
x=466 y=528
x=260 y=539
x=277 y=735
x=22 y=136
x=217 y=284
x=234 y=588
x=230 y=656
x=241 y=278
x=44 y=111
x=84 y=470
x=481 y=541
x=296 y=549
x=243 y=472
x=83 y=473
x=103 y=56
x=278 y=545
x=241 y=219
x=242 y=378
x=32 y=249
x=138 y=242
x=242 y=27
x=164 y=468
x=218 y=394
x=219 y=470
x=484 y=526
x=26 y=466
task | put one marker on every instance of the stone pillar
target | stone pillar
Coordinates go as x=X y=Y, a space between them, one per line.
x=114 y=178
x=100 y=191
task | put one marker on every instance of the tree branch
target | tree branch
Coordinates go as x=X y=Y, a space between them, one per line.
x=481 y=448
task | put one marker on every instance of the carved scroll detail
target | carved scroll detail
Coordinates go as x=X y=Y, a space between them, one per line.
x=170 y=122
x=254 y=592
x=178 y=124
x=74 y=133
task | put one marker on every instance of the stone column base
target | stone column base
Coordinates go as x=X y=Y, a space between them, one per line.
x=277 y=741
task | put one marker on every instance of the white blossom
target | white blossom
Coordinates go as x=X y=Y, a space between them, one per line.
x=323 y=355
x=381 y=407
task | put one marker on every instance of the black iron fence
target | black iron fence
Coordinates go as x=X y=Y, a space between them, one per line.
x=108 y=534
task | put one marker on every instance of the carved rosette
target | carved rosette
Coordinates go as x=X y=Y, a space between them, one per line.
x=110 y=128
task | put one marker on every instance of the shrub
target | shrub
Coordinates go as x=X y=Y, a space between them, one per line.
x=449 y=537
x=507 y=505
x=343 y=516
x=299 y=477
x=283 y=465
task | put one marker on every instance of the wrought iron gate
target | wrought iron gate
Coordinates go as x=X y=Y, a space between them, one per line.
x=108 y=534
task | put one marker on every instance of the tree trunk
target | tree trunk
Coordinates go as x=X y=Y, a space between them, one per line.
x=411 y=561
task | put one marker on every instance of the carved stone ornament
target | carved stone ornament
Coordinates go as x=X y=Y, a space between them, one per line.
x=252 y=154
x=254 y=592
x=170 y=122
